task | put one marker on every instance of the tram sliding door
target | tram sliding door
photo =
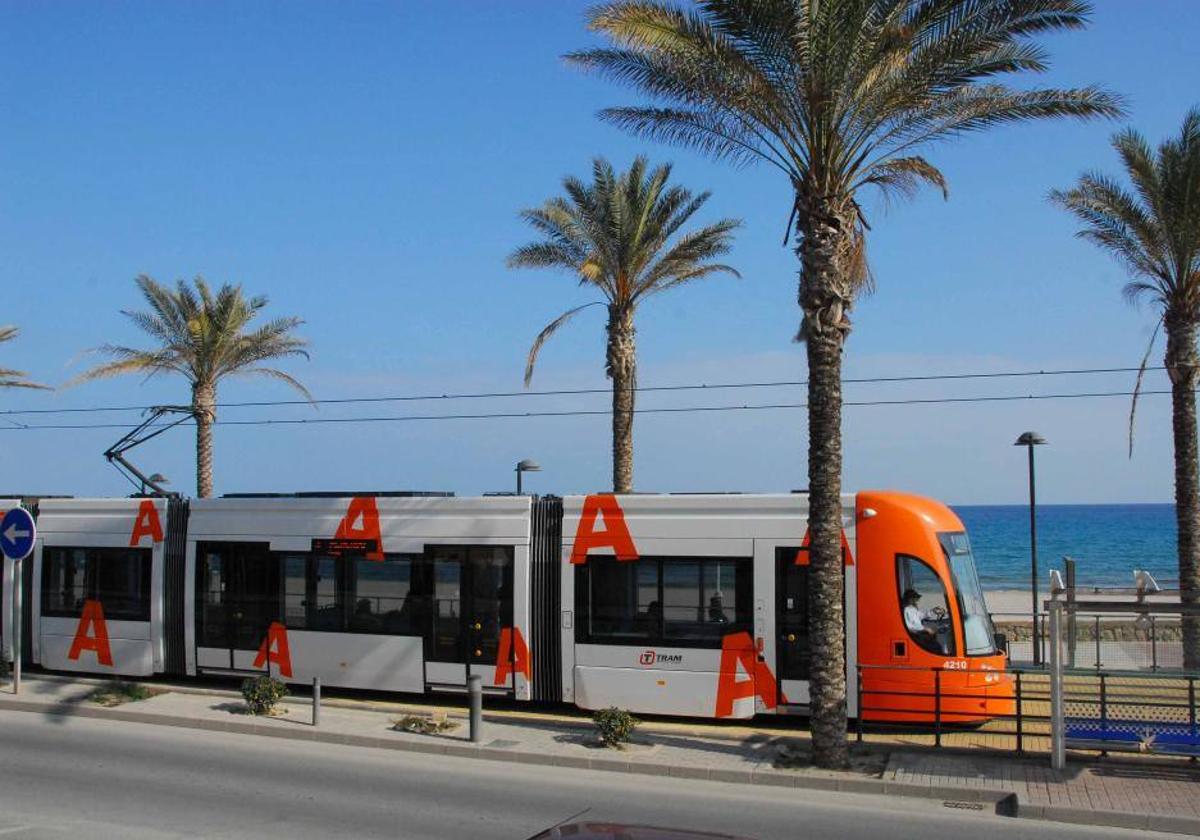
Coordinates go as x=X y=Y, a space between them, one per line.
x=791 y=618
x=472 y=606
x=238 y=593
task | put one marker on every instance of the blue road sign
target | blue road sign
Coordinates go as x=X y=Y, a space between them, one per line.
x=17 y=533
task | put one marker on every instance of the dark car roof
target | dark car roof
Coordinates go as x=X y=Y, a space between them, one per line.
x=621 y=831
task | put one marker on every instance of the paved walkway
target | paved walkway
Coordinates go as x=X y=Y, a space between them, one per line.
x=1160 y=794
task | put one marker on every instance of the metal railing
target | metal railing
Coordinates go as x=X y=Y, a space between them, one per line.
x=1105 y=710
x=1099 y=640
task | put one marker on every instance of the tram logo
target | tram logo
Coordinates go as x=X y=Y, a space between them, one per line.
x=651 y=657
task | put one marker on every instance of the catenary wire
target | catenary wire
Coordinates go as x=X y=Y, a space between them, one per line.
x=562 y=392
x=312 y=421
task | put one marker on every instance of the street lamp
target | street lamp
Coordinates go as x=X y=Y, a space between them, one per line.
x=523 y=466
x=154 y=481
x=1030 y=440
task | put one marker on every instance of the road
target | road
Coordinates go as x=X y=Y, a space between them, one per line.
x=72 y=777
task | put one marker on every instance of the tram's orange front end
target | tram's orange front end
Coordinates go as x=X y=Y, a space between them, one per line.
x=926 y=647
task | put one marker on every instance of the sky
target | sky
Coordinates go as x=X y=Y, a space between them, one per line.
x=363 y=164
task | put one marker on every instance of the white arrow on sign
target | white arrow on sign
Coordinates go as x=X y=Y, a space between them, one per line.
x=12 y=534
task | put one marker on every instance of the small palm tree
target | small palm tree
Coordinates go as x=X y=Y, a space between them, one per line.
x=202 y=336
x=15 y=378
x=618 y=235
x=838 y=96
x=1154 y=231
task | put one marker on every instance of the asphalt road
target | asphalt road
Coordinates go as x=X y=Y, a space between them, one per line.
x=63 y=777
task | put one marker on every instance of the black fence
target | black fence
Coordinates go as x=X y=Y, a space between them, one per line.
x=1010 y=710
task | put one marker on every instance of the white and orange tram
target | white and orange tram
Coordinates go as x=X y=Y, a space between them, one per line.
x=675 y=604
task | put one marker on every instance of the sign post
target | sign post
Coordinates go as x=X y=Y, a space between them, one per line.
x=17 y=535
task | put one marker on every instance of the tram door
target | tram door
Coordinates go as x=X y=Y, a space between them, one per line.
x=791 y=620
x=239 y=591
x=472 y=605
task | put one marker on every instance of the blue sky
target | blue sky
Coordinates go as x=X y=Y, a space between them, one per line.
x=363 y=164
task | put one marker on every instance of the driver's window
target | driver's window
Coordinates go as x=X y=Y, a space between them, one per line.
x=924 y=608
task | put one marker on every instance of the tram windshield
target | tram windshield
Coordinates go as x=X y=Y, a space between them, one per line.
x=978 y=633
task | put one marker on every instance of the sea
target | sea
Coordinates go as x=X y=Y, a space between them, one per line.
x=1107 y=542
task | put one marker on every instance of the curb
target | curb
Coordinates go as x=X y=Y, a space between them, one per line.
x=1113 y=819
x=1002 y=801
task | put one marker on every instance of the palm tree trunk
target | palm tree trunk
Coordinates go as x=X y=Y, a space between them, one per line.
x=824 y=297
x=204 y=406
x=622 y=370
x=1181 y=367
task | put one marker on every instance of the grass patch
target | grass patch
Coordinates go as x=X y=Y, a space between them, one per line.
x=120 y=692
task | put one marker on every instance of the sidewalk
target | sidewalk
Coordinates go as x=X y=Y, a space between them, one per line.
x=1163 y=795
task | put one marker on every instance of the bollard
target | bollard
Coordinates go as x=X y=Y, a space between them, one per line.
x=316 y=701
x=475 y=694
x=1058 y=757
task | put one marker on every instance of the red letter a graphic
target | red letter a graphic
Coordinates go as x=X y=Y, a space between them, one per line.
x=146 y=524
x=93 y=619
x=275 y=649
x=512 y=655
x=615 y=534
x=361 y=522
x=737 y=649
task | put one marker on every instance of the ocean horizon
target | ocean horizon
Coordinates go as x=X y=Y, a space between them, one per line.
x=1107 y=541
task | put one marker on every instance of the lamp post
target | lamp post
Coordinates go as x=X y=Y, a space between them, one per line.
x=154 y=480
x=1030 y=440
x=523 y=466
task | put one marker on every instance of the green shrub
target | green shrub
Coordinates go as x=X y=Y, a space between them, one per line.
x=5 y=668
x=614 y=726
x=262 y=693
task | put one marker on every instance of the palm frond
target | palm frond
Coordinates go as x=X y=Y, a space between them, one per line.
x=621 y=233
x=199 y=333
x=1137 y=385
x=274 y=373
x=549 y=330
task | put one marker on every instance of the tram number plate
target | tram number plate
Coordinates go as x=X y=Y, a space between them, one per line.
x=338 y=548
x=955 y=665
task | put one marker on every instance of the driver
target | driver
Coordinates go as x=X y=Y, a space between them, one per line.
x=915 y=618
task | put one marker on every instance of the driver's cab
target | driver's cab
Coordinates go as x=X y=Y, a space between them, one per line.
x=925 y=607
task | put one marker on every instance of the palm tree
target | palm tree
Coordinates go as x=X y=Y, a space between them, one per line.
x=1154 y=231
x=615 y=235
x=15 y=378
x=838 y=95
x=202 y=336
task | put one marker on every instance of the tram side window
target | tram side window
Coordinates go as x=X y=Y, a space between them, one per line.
x=924 y=608
x=119 y=578
x=704 y=600
x=620 y=601
x=350 y=594
x=381 y=597
x=685 y=602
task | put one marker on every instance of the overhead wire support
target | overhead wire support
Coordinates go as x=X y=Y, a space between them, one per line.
x=146 y=430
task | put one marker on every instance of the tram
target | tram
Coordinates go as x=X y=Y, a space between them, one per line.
x=673 y=604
